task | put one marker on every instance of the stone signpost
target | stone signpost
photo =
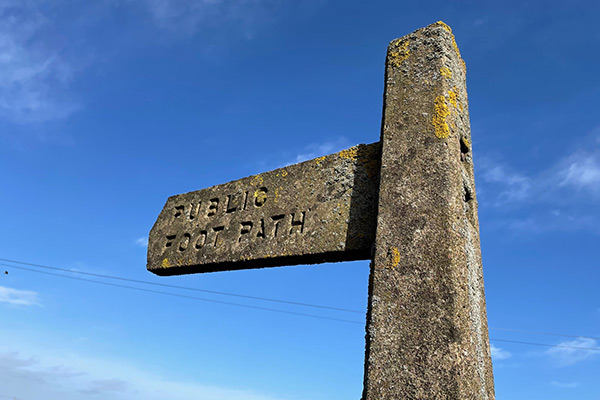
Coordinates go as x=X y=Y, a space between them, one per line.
x=406 y=202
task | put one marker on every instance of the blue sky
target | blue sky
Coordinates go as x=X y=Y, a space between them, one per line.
x=109 y=107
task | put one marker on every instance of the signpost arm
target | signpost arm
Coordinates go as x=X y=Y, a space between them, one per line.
x=427 y=335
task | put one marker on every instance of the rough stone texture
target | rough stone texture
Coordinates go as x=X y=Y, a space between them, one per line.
x=427 y=335
x=321 y=210
x=412 y=195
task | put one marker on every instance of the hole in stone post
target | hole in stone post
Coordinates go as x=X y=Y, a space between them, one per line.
x=468 y=194
x=464 y=149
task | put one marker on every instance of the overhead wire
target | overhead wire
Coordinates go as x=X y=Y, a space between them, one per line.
x=296 y=303
x=258 y=298
x=544 y=333
x=185 y=296
x=547 y=345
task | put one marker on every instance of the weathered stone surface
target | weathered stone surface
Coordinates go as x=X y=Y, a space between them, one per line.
x=321 y=210
x=427 y=334
x=410 y=198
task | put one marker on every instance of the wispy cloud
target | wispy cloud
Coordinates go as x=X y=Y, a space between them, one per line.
x=43 y=376
x=575 y=351
x=315 y=150
x=582 y=172
x=105 y=386
x=499 y=354
x=563 y=196
x=18 y=297
x=510 y=186
x=142 y=241
x=574 y=175
x=553 y=221
x=184 y=17
x=44 y=49
x=566 y=385
x=34 y=76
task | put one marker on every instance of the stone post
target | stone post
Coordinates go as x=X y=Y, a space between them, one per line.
x=427 y=335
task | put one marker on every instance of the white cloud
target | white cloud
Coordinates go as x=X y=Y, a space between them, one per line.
x=184 y=17
x=68 y=377
x=142 y=241
x=563 y=196
x=105 y=386
x=315 y=150
x=574 y=351
x=45 y=45
x=553 y=222
x=512 y=187
x=18 y=297
x=573 y=178
x=582 y=172
x=33 y=75
x=499 y=354
x=566 y=385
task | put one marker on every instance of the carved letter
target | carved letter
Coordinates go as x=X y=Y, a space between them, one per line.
x=194 y=211
x=183 y=245
x=213 y=207
x=260 y=196
x=261 y=232
x=245 y=200
x=179 y=210
x=276 y=219
x=246 y=228
x=217 y=229
x=201 y=241
x=170 y=239
x=233 y=201
x=299 y=223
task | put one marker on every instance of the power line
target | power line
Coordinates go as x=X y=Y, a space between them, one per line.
x=296 y=303
x=547 y=345
x=186 y=296
x=544 y=333
x=258 y=298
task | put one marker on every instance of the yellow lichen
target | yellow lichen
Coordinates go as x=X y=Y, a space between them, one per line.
x=260 y=195
x=257 y=180
x=349 y=154
x=277 y=194
x=398 y=51
x=442 y=130
x=341 y=208
x=466 y=143
x=165 y=263
x=319 y=159
x=446 y=73
x=453 y=96
x=446 y=27
x=369 y=160
x=394 y=257
x=442 y=111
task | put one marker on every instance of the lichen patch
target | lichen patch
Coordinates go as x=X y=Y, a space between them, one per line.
x=446 y=73
x=398 y=51
x=441 y=113
x=394 y=257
